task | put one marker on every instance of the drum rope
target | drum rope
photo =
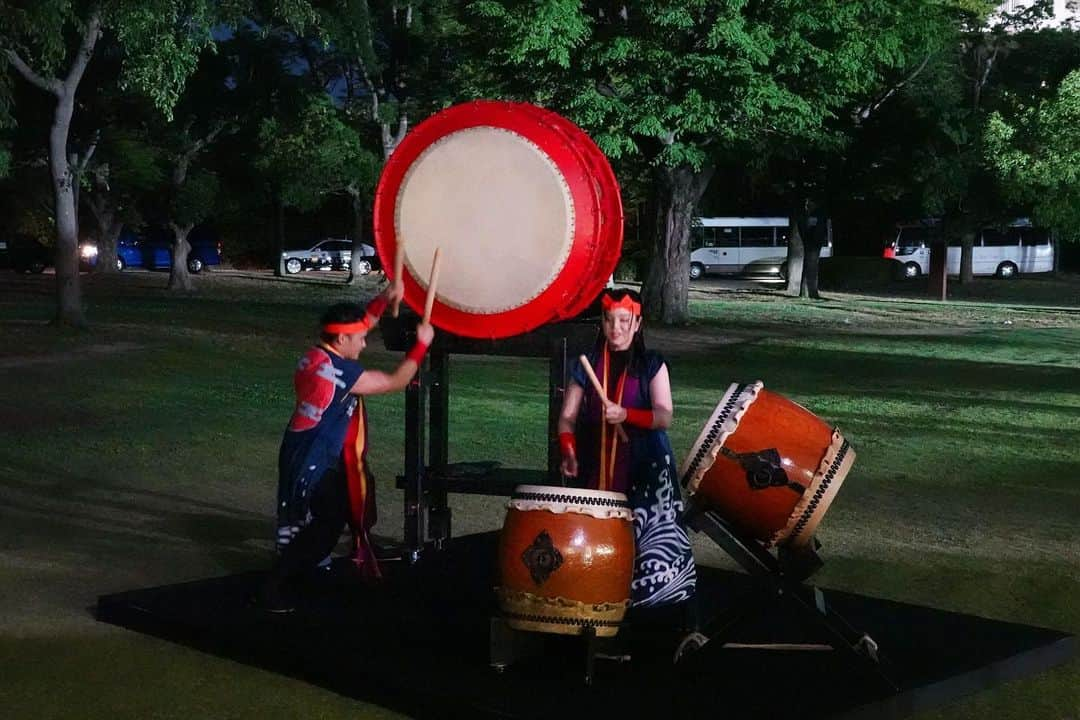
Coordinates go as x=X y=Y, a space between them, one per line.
x=820 y=492
x=706 y=445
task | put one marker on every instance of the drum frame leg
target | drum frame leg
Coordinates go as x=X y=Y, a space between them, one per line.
x=781 y=579
x=507 y=646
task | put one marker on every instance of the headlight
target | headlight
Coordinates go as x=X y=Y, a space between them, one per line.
x=88 y=251
x=285 y=254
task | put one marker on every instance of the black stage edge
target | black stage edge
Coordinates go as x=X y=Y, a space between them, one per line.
x=418 y=643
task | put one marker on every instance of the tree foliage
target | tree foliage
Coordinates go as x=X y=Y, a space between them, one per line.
x=688 y=84
x=318 y=155
x=1036 y=153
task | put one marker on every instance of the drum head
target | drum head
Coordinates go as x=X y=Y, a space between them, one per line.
x=521 y=203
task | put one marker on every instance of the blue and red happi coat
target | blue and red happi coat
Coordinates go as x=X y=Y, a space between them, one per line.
x=328 y=429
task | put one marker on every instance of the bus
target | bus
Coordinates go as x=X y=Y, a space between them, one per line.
x=743 y=245
x=1004 y=252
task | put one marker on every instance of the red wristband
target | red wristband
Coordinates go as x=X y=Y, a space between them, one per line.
x=377 y=306
x=416 y=354
x=567 y=444
x=639 y=417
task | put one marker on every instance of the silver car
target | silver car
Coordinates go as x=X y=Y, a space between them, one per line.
x=340 y=251
x=313 y=259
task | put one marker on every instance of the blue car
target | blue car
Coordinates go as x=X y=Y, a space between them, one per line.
x=152 y=250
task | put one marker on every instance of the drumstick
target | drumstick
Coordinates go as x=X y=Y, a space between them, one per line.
x=399 y=265
x=600 y=391
x=433 y=280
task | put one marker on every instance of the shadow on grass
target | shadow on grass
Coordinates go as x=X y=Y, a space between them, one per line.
x=103 y=520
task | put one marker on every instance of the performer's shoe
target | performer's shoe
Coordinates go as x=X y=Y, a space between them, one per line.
x=270 y=599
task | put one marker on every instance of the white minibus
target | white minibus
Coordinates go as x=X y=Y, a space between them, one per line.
x=742 y=245
x=1018 y=248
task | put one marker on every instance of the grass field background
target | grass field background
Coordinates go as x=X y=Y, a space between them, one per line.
x=142 y=451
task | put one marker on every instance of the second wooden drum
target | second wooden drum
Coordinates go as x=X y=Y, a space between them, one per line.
x=767 y=465
x=566 y=559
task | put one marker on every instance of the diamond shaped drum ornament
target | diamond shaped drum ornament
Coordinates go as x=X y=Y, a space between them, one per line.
x=523 y=206
x=542 y=558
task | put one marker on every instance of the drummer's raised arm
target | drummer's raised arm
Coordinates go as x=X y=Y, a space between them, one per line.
x=376 y=382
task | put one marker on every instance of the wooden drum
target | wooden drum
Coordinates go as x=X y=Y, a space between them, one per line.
x=523 y=206
x=566 y=558
x=767 y=465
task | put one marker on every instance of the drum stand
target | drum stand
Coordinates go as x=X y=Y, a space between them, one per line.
x=781 y=578
x=426 y=483
x=508 y=646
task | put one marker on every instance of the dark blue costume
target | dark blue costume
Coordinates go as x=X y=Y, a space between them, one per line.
x=314 y=439
x=643 y=469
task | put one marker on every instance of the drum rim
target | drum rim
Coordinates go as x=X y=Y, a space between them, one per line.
x=572 y=493
x=593 y=189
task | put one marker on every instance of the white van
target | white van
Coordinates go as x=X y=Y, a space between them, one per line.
x=742 y=245
x=1019 y=248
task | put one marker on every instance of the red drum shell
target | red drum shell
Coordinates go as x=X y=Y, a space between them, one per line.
x=750 y=420
x=590 y=584
x=597 y=226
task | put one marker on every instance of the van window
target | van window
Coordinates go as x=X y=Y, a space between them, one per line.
x=757 y=236
x=913 y=237
x=727 y=237
x=997 y=238
x=698 y=237
x=1035 y=236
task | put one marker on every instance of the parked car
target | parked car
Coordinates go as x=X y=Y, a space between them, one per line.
x=153 y=250
x=310 y=259
x=23 y=253
x=331 y=254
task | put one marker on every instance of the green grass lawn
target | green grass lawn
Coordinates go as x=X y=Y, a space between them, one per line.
x=142 y=451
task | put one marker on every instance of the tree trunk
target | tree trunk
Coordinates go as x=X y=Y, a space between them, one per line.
x=179 y=278
x=108 y=233
x=358 y=238
x=666 y=291
x=809 y=285
x=69 y=309
x=1055 y=248
x=796 y=253
x=967 y=243
x=108 y=240
x=939 y=276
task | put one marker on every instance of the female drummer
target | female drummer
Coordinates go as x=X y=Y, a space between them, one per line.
x=638 y=460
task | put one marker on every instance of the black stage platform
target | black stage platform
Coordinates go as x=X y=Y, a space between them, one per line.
x=418 y=643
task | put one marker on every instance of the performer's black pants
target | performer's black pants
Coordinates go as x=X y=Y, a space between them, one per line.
x=329 y=513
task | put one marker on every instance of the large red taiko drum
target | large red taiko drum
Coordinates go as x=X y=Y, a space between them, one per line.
x=523 y=206
x=566 y=559
x=767 y=465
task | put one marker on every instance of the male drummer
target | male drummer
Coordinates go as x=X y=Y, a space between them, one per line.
x=323 y=476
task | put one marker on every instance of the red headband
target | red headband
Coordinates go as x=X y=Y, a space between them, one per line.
x=347 y=328
x=627 y=302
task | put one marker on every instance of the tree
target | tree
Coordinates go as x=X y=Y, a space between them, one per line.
x=127 y=166
x=192 y=193
x=320 y=155
x=1036 y=154
x=687 y=84
x=160 y=41
x=392 y=61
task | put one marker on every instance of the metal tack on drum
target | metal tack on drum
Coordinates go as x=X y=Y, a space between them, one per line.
x=524 y=206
